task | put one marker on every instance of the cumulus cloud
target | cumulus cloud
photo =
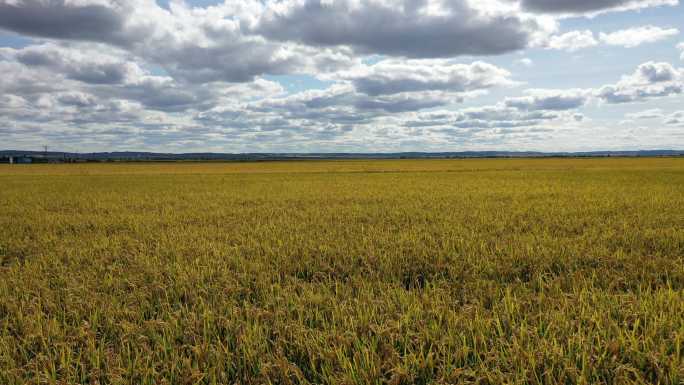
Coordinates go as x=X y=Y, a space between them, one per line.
x=591 y=6
x=391 y=86
x=53 y=77
x=654 y=113
x=525 y=62
x=675 y=119
x=53 y=68
x=650 y=80
x=346 y=102
x=637 y=36
x=239 y=40
x=87 y=64
x=137 y=103
x=353 y=106
x=552 y=100
x=488 y=125
x=133 y=73
x=540 y=108
x=496 y=116
x=193 y=44
x=629 y=38
x=64 y=19
x=396 y=76
x=409 y=28
x=680 y=47
x=572 y=41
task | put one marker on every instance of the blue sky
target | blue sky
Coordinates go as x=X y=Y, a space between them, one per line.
x=341 y=75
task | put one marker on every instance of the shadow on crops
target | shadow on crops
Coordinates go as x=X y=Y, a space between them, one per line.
x=9 y=257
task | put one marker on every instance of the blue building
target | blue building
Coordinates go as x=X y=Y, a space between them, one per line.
x=20 y=159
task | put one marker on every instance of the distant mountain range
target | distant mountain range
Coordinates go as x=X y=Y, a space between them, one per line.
x=153 y=156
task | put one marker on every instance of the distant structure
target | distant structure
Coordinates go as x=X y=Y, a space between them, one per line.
x=20 y=157
x=16 y=159
x=23 y=160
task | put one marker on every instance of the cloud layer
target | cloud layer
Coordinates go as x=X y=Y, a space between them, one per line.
x=284 y=74
x=634 y=37
x=410 y=28
x=628 y=38
x=591 y=6
x=650 y=80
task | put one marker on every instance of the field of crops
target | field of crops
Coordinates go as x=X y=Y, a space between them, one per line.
x=513 y=271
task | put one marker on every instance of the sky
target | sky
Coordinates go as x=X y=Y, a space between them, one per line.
x=341 y=75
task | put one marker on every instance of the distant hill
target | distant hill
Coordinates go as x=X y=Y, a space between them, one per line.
x=152 y=156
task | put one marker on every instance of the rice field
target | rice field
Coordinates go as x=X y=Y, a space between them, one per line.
x=508 y=271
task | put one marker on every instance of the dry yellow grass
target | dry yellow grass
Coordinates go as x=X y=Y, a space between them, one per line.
x=518 y=271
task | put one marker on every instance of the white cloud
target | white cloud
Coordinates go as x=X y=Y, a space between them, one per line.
x=655 y=113
x=407 y=28
x=478 y=118
x=591 y=7
x=680 y=47
x=132 y=73
x=393 y=86
x=637 y=36
x=239 y=40
x=396 y=76
x=550 y=100
x=572 y=41
x=193 y=44
x=650 y=80
x=87 y=63
x=575 y=40
x=525 y=62
x=675 y=119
